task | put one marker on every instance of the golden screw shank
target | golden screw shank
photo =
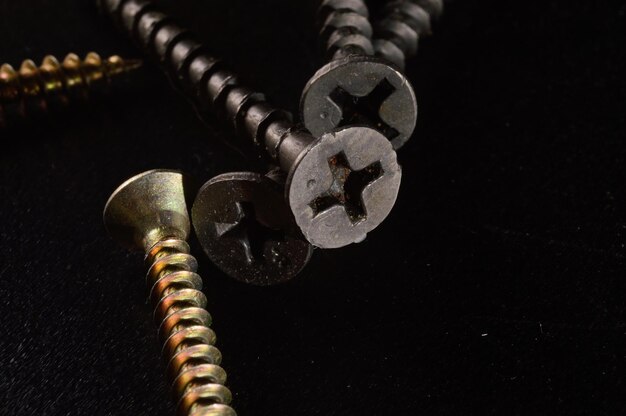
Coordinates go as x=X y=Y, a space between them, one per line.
x=192 y=360
x=149 y=212
x=35 y=89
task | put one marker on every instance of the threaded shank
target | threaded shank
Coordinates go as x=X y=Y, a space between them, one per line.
x=193 y=362
x=345 y=28
x=33 y=88
x=203 y=77
x=403 y=23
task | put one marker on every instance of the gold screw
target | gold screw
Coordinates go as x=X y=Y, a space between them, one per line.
x=149 y=212
x=35 y=88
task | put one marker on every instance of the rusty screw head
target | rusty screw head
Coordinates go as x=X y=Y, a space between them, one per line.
x=360 y=89
x=245 y=227
x=343 y=185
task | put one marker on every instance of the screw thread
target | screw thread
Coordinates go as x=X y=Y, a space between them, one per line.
x=34 y=88
x=204 y=78
x=345 y=28
x=174 y=288
x=404 y=22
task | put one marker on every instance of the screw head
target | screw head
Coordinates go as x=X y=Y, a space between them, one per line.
x=360 y=89
x=246 y=228
x=149 y=207
x=343 y=185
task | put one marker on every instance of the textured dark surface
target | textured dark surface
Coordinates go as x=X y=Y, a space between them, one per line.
x=495 y=287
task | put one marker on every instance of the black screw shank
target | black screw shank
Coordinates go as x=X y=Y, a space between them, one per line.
x=345 y=28
x=402 y=24
x=203 y=77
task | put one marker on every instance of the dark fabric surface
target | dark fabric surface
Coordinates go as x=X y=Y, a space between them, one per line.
x=496 y=286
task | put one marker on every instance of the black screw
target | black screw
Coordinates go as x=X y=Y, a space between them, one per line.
x=363 y=82
x=402 y=24
x=247 y=230
x=297 y=152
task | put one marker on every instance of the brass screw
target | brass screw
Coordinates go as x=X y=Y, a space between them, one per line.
x=149 y=212
x=34 y=88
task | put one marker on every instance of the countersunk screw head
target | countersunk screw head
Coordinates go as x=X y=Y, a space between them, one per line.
x=360 y=89
x=343 y=186
x=149 y=207
x=245 y=227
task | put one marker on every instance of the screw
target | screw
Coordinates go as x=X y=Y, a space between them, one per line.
x=342 y=186
x=149 y=212
x=32 y=89
x=307 y=161
x=403 y=23
x=247 y=230
x=356 y=87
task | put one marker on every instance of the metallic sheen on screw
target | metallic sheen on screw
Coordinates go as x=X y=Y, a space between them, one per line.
x=362 y=81
x=309 y=162
x=149 y=212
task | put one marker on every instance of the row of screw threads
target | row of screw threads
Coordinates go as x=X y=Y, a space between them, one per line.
x=34 y=89
x=404 y=21
x=345 y=28
x=203 y=77
x=192 y=360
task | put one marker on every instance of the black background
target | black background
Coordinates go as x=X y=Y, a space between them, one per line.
x=496 y=286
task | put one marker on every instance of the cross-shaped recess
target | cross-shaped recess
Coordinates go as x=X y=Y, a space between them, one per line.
x=347 y=187
x=250 y=233
x=366 y=109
